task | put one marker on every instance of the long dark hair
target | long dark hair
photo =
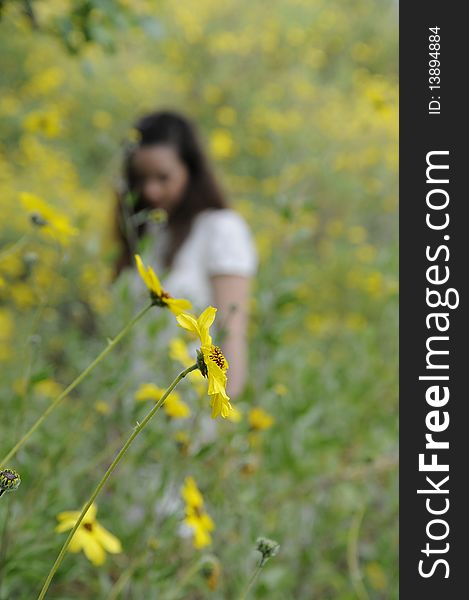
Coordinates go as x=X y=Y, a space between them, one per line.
x=201 y=192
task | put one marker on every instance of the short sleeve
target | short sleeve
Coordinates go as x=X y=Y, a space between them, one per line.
x=230 y=246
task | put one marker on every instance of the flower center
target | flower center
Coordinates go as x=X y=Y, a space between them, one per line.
x=88 y=526
x=161 y=299
x=217 y=356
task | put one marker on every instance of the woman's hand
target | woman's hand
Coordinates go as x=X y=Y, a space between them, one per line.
x=231 y=297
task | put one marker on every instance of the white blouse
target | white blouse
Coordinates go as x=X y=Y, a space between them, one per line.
x=219 y=243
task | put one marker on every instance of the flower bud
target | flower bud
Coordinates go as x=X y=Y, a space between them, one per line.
x=267 y=548
x=9 y=480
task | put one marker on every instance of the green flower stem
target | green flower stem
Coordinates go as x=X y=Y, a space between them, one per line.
x=251 y=582
x=111 y=345
x=108 y=473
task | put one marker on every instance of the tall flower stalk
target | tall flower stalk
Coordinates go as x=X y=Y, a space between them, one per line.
x=108 y=473
x=111 y=345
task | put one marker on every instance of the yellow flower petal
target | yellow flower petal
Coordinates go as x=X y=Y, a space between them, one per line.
x=189 y=322
x=155 y=284
x=202 y=538
x=216 y=378
x=108 y=541
x=141 y=269
x=93 y=550
x=178 y=305
x=65 y=525
x=148 y=391
x=178 y=351
x=176 y=408
x=149 y=276
x=260 y=419
x=76 y=543
x=220 y=406
x=204 y=323
x=90 y=514
x=191 y=494
x=69 y=514
x=206 y=522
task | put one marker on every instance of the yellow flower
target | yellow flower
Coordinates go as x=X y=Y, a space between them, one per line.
x=158 y=295
x=202 y=525
x=191 y=494
x=176 y=408
x=148 y=391
x=280 y=389
x=90 y=536
x=259 y=419
x=178 y=351
x=48 y=388
x=221 y=144
x=173 y=406
x=102 y=407
x=211 y=362
x=196 y=518
x=53 y=224
x=46 y=123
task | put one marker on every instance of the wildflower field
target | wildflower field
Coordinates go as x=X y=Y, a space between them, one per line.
x=297 y=105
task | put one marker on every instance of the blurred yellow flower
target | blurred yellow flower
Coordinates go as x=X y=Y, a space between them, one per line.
x=191 y=493
x=173 y=406
x=259 y=419
x=148 y=391
x=157 y=293
x=48 y=388
x=196 y=517
x=280 y=389
x=46 y=122
x=211 y=361
x=102 y=408
x=91 y=537
x=178 y=351
x=222 y=144
x=51 y=223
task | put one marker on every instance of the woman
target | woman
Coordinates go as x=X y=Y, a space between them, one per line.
x=204 y=251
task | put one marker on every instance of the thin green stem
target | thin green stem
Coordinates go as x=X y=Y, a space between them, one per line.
x=353 y=558
x=111 y=345
x=251 y=582
x=108 y=473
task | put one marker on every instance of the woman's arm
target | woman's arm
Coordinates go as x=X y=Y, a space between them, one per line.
x=231 y=298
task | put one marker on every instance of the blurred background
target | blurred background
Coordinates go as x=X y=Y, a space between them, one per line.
x=296 y=103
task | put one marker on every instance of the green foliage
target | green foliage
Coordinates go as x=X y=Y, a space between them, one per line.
x=297 y=104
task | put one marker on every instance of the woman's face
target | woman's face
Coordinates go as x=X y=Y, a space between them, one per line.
x=161 y=177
